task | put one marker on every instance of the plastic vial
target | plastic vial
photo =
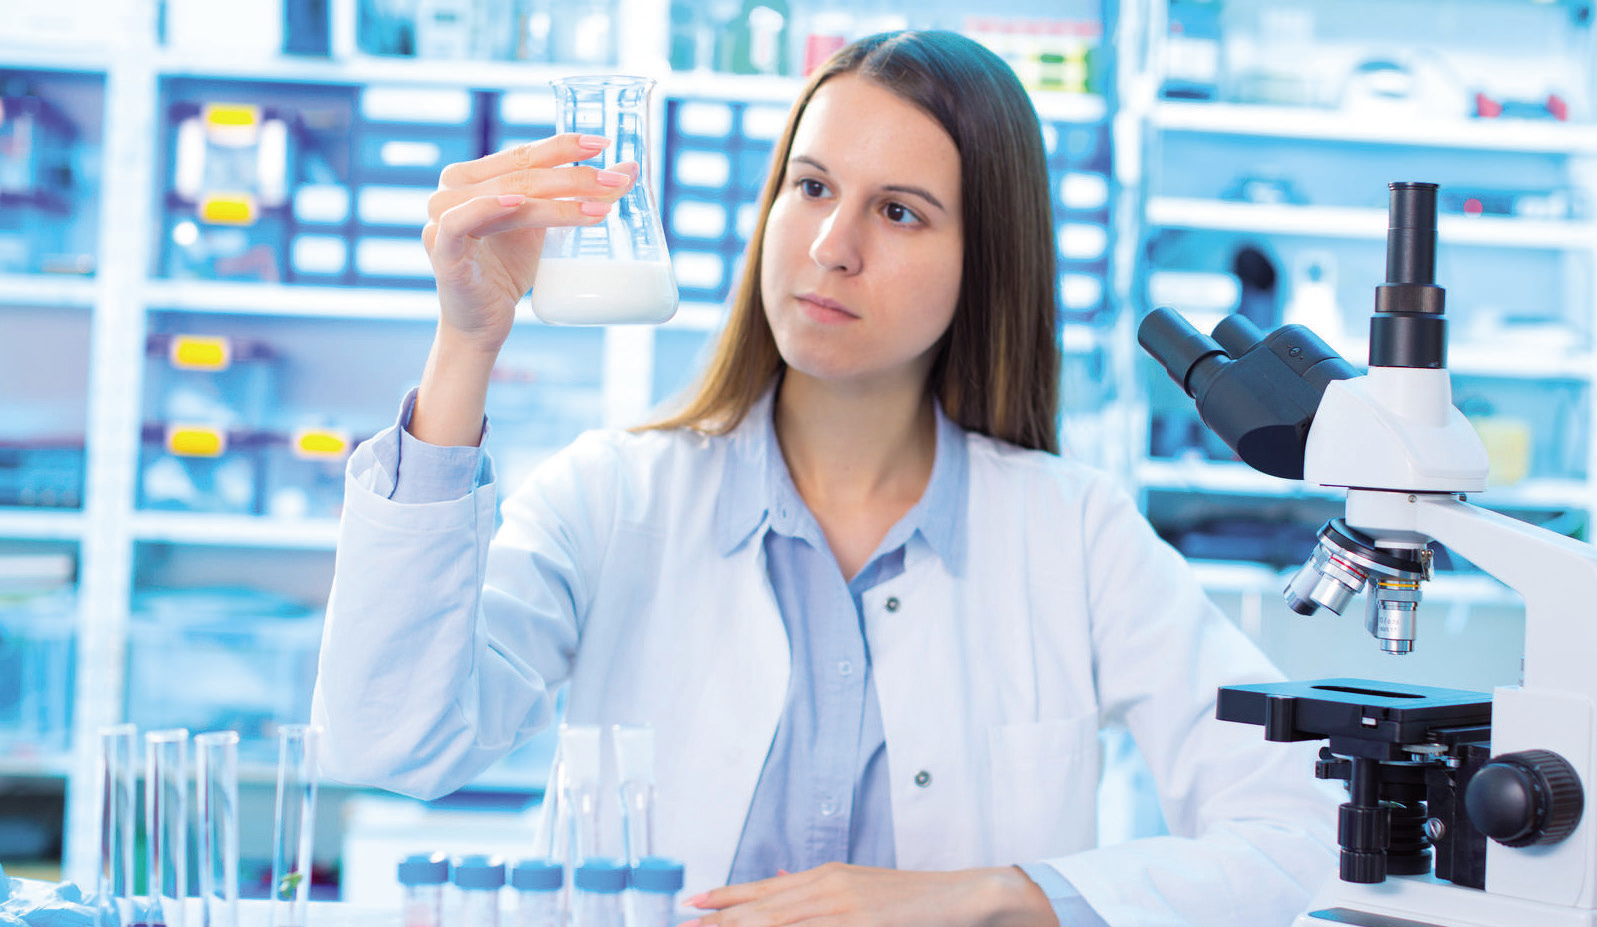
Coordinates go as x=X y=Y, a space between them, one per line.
x=539 y=899
x=655 y=882
x=479 y=879
x=597 y=900
x=422 y=878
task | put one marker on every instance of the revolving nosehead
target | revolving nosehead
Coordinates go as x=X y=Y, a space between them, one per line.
x=1344 y=561
x=1325 y=581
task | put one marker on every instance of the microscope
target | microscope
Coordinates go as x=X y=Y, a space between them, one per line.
x=1464 y=810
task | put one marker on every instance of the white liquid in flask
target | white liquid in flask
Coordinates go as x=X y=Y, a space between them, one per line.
x=600 y=291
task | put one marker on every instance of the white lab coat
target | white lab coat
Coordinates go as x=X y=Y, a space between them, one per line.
x=993 y=675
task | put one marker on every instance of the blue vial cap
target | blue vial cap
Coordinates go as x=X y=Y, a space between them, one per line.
x=479 y=872
x=657 y=874
x=537 y=875
x=424 y=869
x=605 y=876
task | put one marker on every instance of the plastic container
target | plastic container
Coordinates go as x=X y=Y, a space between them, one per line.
x=655 y=882
x=597 y=901
x=479 y=879
x=540 y=901
x=422 y=878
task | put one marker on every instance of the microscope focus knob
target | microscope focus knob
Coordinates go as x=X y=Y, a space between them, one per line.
x=1526 y=798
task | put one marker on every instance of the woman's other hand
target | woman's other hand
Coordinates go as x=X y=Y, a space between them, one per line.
x=486 y=223
x=838 y=895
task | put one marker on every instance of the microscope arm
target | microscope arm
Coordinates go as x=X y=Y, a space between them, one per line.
x=1555 y=575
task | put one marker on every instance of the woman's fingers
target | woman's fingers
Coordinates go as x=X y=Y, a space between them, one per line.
x=448 y=237
x=549 y=152
x=580 y=182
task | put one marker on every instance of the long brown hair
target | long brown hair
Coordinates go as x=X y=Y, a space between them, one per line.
x=997 y=366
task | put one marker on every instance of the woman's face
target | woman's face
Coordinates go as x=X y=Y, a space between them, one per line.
x=863 y=245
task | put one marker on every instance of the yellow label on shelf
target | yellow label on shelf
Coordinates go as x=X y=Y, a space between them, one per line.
x=228 y=209
x=200 y=352
x=195 y=440
x=232 y=114
x=320 y=444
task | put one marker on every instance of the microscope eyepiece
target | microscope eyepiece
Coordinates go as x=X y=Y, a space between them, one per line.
x=1177 y=346
x=1411 y=233
x=1407 y=329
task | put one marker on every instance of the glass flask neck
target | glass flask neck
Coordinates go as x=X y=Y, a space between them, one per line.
x=615 y=106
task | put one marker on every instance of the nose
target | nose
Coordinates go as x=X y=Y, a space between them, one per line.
x=836 y=245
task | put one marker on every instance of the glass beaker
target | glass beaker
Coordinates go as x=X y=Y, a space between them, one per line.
x=615 y=271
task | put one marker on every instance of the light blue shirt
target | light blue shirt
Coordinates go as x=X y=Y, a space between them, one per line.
x=823 y=794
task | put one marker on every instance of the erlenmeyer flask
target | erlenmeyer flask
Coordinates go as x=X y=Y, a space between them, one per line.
x=618 y=270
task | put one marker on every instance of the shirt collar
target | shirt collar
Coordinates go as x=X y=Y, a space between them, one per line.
x=756 y=475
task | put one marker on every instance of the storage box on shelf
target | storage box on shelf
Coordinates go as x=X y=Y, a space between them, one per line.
x=49 y=172
x=38 y=611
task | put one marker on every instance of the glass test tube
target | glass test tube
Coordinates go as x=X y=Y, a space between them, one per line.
x=634 y=752
x=579 y=787
x=166 y=820
x=216 y=788
x=295 y=827
x=118 y=768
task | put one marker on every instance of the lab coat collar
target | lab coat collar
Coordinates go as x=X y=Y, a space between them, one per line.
x=743 y=508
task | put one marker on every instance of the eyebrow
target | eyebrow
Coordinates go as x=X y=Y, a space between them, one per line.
x=911 y=189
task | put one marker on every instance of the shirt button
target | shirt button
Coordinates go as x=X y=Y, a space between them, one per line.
x=845 y=668
x=923 y=778
x=828 y=808
x=891 y=604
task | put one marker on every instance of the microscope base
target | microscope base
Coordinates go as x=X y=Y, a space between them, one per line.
x=1413 y=901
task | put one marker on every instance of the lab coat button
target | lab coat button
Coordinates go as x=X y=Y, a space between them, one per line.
x=923 y=778
x=845 y=668
x=828 y=808
x=892 y=603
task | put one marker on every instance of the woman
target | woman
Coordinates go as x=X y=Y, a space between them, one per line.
x=875 y=620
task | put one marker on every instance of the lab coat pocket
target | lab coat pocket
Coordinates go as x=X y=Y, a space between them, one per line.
x=1044 y=788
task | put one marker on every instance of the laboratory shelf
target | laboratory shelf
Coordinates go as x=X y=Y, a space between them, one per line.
x=1230 y=477
x=47 y=290
x=1303 y=123
x=697 y=317
x=48 y=766
x=1548 y=362
x=1234 y=478
x=40 y=524
x=292 y=299
x=374 y=69
x=235 y=530
x=1356 y=222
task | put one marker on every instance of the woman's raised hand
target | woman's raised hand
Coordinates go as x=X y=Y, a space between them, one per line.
x=486 y=222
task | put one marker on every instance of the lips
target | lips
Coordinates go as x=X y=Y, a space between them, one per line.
x=825 y=308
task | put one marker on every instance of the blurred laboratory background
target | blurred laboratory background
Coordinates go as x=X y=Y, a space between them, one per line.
x=212 y=287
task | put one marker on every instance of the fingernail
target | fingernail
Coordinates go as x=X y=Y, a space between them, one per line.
x=612 y=178
x=693 y=923
x=695 y=902
x=511 y=199
x=594 y=209
x=593 y=141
